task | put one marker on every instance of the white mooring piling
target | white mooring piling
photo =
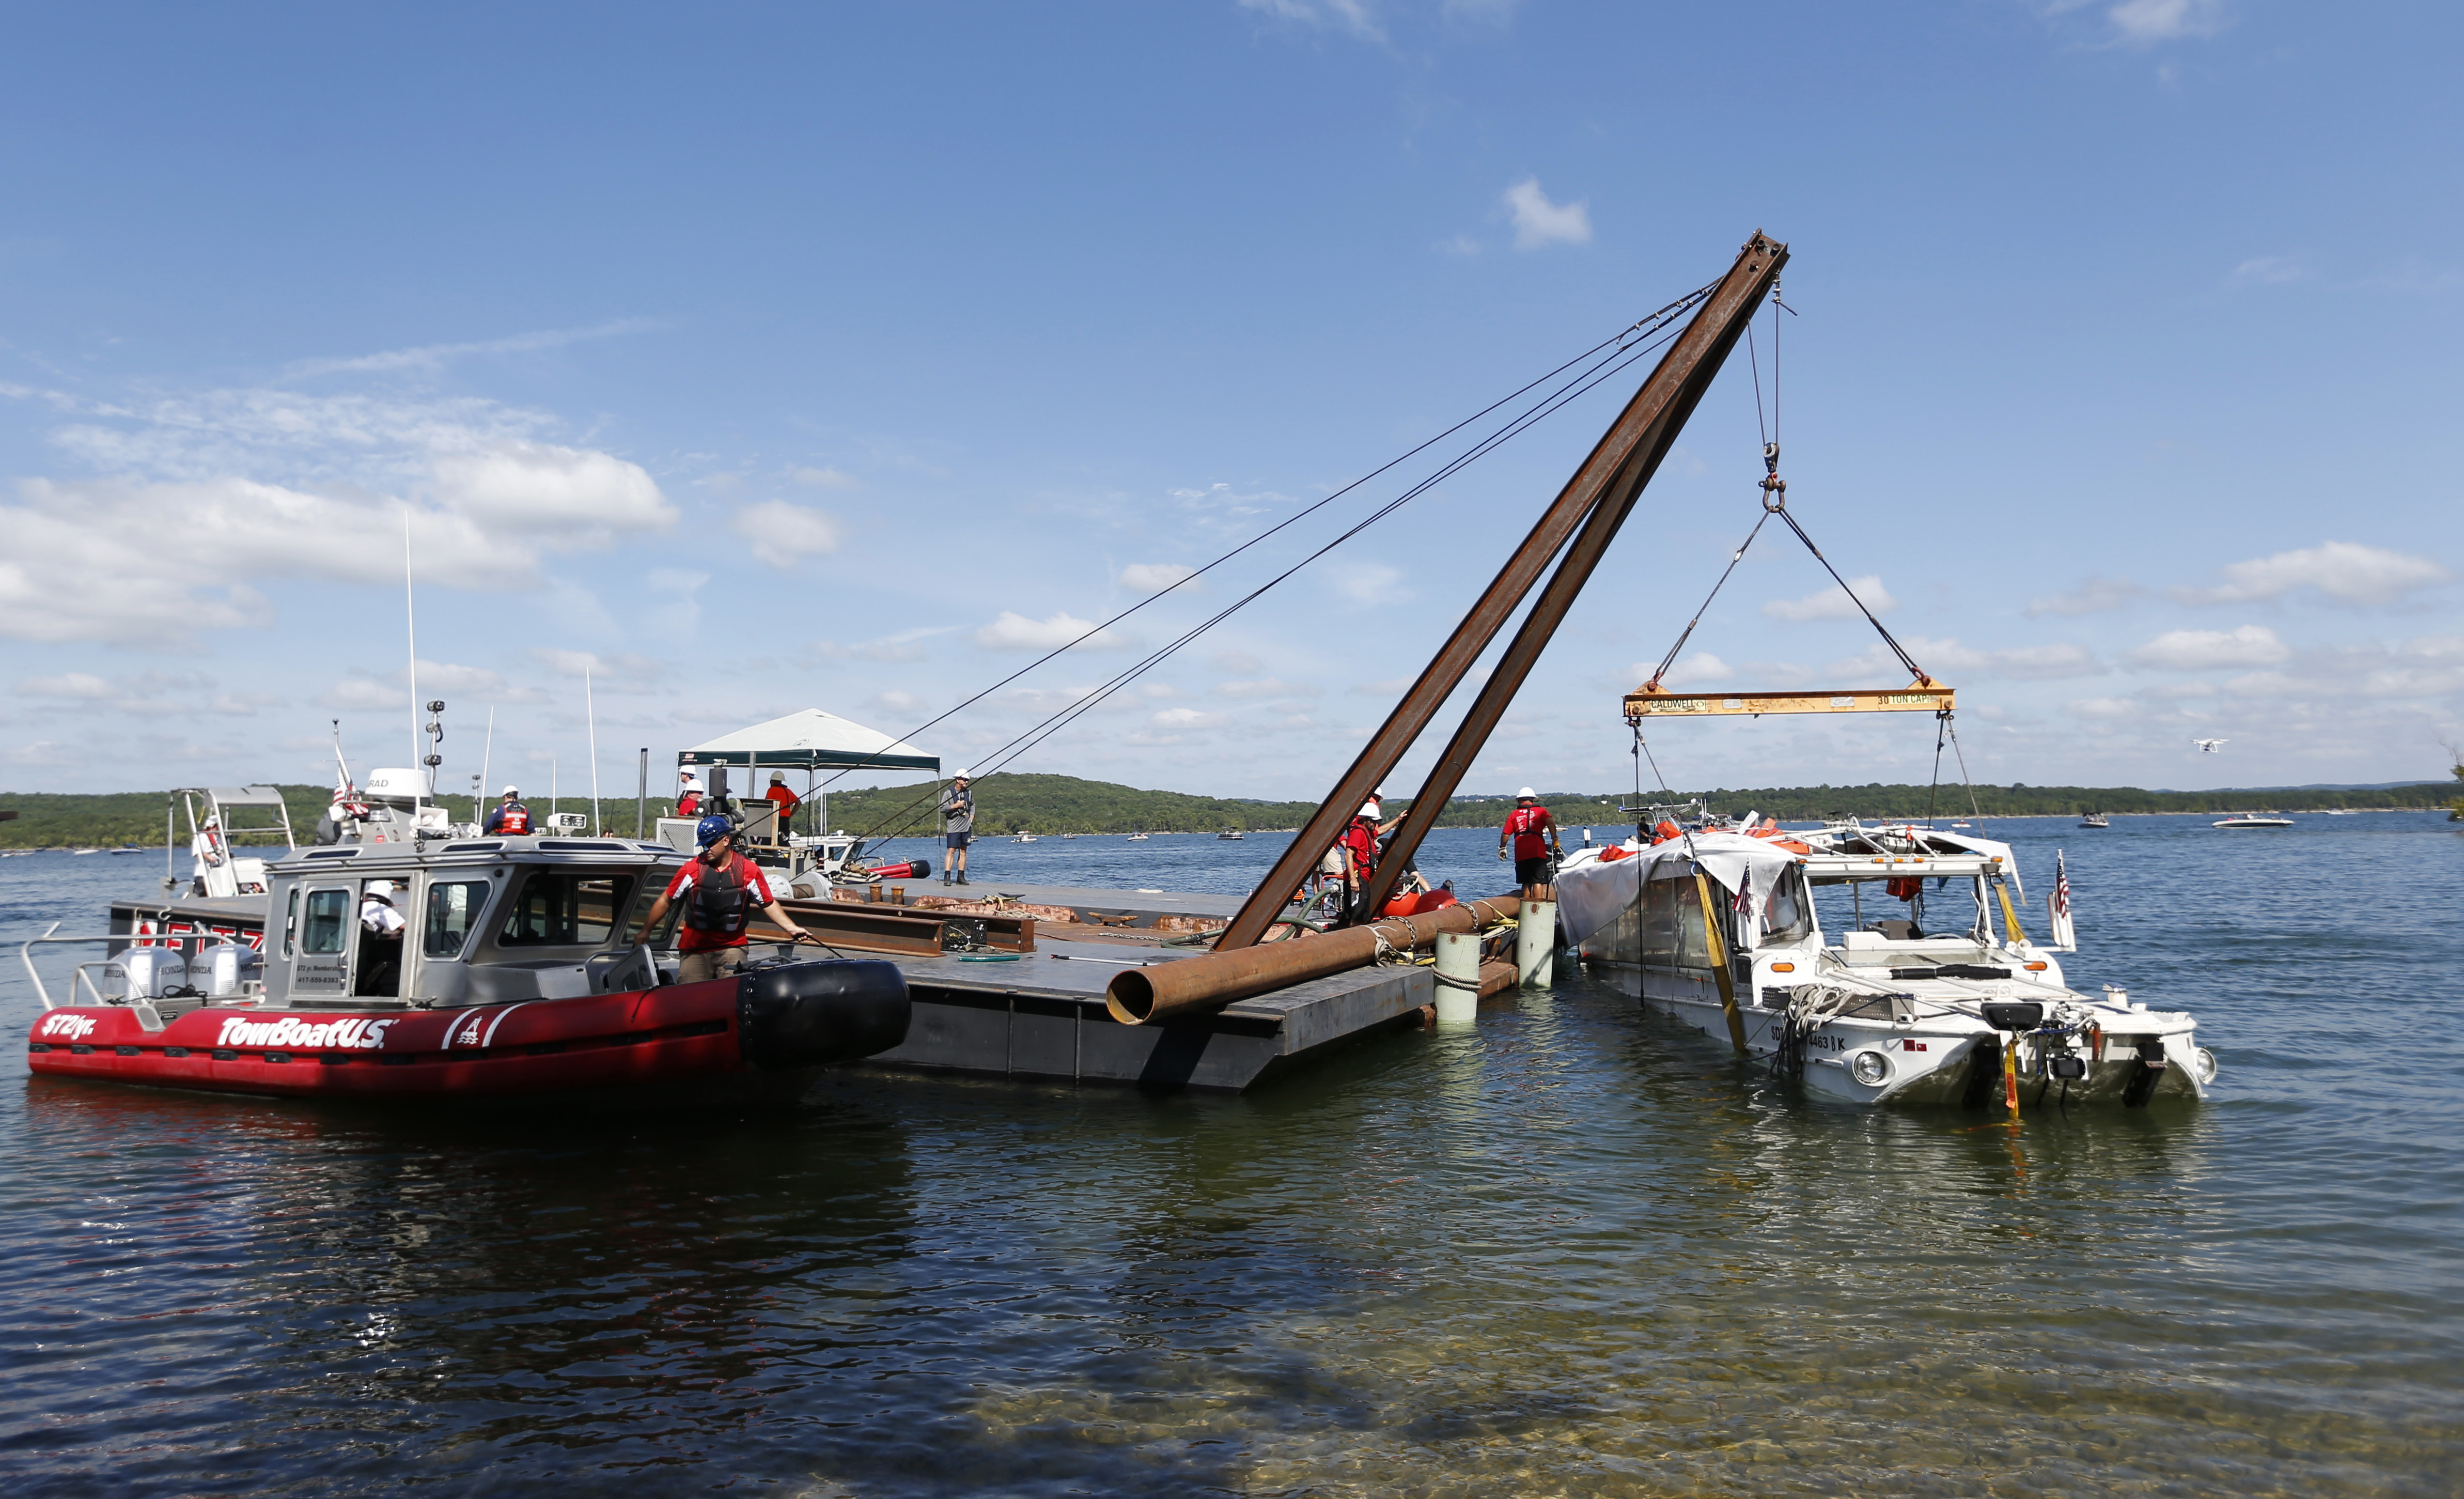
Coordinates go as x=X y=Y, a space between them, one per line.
x=1536 y=944
x=1458 y=978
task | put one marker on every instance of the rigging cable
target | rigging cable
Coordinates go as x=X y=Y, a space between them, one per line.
x=1650 y=323
x=1619 y=359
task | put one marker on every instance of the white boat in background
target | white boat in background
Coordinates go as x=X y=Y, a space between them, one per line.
x=1718 y=927
x=1138 y=837
x=1023 y=836
x=2254 y=819
x=2096 y=820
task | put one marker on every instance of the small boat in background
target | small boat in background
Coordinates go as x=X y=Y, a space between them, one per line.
x=1023 y=836
x=2096 y=820
x=1138 y=837
x=2254 y=819
x=1231 y=835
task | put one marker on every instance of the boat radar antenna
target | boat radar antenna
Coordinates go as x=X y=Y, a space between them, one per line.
x=435 y=737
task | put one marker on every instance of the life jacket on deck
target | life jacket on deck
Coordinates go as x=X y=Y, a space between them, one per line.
x=513 y=818
x=721 y=901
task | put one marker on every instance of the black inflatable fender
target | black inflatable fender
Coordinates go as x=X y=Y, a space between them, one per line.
x=811 y=1014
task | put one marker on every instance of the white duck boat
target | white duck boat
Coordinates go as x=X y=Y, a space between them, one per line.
x=1886 y=1011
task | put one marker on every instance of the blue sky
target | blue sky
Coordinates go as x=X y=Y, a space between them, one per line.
x=807 y=356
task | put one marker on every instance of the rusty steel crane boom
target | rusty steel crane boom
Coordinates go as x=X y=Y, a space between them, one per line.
x=1588 y=511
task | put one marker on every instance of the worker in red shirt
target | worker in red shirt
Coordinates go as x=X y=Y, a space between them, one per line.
x=720 y=889
x=785 y=800
x=1534 y=833
x=1360 y=845
x=688 y=796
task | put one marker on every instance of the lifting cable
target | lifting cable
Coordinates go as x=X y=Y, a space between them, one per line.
x=1623 y=350
x=1775 y=503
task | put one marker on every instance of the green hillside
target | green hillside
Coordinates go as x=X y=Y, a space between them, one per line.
x=1068 y=805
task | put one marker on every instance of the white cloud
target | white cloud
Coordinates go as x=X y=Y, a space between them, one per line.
x=434 y=357
x=826 y=478
x=896 y=701
x=272 y=484
x=785 y=534
x=1240 y=663
x=2143 y=23
x=2345 y=572
x=364 y=695
x=2199 y=649
x=1539 y=222
x=1157 y=577
x=1171 y=719
x=1392 y=687
x=1460 y=245
x=2090 y=597
x=2105 y=707
x=1700 y=667
x=565 y=498
x=1013 y=631
x=903 y=647
x=1266 y=687
x=70 y=685
x=2272 y=271
x=617 y=674
x=1346 y=15
x=1946 y=659
x=1369 y=582
x=1833 y=603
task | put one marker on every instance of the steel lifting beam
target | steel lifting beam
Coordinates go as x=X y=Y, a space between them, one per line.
x=1662 y=406
x=1644 y=423
x=1922 y=695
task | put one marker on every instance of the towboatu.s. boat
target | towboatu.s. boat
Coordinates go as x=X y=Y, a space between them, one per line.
x=1720 y=926
x=521 y=968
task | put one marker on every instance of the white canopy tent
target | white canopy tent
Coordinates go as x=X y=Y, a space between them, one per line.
x=808 y=740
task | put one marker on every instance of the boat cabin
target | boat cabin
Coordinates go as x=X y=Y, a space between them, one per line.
x=483 y=921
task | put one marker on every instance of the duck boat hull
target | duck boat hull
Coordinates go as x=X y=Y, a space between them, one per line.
x=757 y=1037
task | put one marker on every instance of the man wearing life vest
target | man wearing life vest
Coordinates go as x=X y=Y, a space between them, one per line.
x=1359 y=846
x=689 y=797
x=508 y=816
x=720 y=889
x=1535 y=834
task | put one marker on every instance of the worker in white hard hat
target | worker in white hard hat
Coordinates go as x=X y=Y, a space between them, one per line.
x=1534 y=835
x=508 y=816
x=380 y=929
x=689 y=795
x=957 y=826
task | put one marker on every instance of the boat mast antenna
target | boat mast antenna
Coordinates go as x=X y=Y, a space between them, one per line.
x=410 y=638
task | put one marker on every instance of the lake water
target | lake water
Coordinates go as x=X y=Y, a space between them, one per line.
x=1568 y=1251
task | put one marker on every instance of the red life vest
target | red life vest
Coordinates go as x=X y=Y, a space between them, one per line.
x=688 y=804
x=513 y=818
x=1524 y=822
x=1362 y=840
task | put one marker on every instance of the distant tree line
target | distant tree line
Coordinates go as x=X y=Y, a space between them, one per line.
x=1005 y=804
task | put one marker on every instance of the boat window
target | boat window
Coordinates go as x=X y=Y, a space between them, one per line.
x=1789 y=916
x=565 y=908
x=1672 y=925
x=452 y=910
x=661 y=937
x=329 y=921
x=291 y=924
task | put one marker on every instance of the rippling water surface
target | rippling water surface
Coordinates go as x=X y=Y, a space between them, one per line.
x=1568 y=1251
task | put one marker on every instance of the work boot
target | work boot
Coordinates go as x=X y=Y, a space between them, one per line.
x=945 y=876
x=962 y=876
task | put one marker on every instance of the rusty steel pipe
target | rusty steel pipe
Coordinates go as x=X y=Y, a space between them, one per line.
x=1137 y=996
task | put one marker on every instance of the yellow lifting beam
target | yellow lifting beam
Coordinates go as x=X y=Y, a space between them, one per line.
x=1924 y=695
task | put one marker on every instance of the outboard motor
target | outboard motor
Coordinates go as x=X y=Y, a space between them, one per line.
x=154 y=972
x=222 y=970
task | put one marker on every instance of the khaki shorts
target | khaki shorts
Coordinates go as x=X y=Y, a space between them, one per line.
x=711 y=962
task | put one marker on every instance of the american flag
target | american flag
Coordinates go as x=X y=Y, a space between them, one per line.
x=1744 y=904
x=2061 y=888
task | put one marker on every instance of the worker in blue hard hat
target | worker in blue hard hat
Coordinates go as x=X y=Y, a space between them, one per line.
x=720 y=889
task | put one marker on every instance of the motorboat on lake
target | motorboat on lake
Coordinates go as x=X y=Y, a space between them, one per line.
x=2096 y=820
x=2254 y=819
x=1724 y=927
x=523 y=968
